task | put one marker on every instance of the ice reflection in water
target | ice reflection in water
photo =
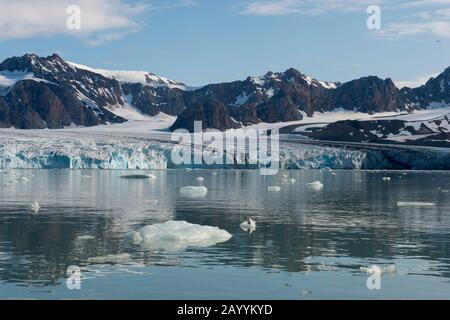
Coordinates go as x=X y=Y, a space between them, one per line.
x=306 y=240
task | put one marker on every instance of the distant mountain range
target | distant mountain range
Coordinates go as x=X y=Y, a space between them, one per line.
x=49 y=92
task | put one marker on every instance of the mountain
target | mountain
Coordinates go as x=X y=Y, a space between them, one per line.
x=49 y=92
x=291 y=95
x=38 y=92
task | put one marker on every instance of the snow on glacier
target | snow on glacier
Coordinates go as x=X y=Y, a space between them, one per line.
x=145 y=145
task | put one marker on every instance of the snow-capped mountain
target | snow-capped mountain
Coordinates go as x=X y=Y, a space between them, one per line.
x=38 y=92
x=49 y=92
x=143 y=77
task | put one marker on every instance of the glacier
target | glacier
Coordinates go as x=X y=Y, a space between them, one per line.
x=85 y=149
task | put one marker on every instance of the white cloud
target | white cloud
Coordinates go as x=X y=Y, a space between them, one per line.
x=307 y=7
x=438 y=28
x=37 y=18
x=101 y=20
x=417 y=82
x=407 y=18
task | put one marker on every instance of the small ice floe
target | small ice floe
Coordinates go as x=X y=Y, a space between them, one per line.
x=86 y=237
x=111 y=258
x=248 y=226
x=374 y=269
x=274 y=189
x=138 y=176
x=199 y=179
x=284 y=177
x=415 y=204
x=23 y=179
x=35 y=207
x=177 y=235
x=292 y=181
x=193 y=192
x=316 y=185
x=306 y=292
x=386 y=179
x=152 y=201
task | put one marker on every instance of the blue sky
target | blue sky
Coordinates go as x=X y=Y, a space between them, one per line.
x=206 y=41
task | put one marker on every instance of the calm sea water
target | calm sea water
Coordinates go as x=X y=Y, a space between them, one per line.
x=307 y=245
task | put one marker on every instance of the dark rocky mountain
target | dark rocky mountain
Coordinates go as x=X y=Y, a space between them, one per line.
x=368 y=95
x=435 y=93
x=49 y=92
x=291 y=95
x=38 y=92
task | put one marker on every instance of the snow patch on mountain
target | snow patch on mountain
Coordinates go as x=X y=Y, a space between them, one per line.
x=143 y=77
x=9 y=78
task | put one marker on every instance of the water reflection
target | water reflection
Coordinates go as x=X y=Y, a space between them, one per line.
x=355 y=220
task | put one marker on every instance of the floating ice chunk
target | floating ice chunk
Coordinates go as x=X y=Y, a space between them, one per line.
x=178 y=235
x=152 y=201
x=274 y=189
x=200 y=179
x=306 y=292
x=292 y=181
x=372 y=269
x=35 y=207
x=391 y=269
x=85 y=237
x=386 y=179
x=248 y=226
x=24 y=179
x=138 y=176
x=377 y=270
x=415 y=204
x=194 y=192
x=316 y=185
x=112 y=258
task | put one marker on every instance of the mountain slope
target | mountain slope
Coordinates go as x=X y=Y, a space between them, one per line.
x=37 y=92
x=48 y=92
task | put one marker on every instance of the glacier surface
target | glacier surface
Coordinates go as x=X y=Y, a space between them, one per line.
x=86 y=149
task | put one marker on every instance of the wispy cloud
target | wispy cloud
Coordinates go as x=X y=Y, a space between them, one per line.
x=408 y=18
x=431 y=17
x=417 y=82
x=101 y=20
x=307 y=7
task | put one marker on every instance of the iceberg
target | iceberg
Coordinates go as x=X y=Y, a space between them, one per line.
x=177 y=236
x=193 y=192
x=111 y=259
x=315 y=186
x=415 y=204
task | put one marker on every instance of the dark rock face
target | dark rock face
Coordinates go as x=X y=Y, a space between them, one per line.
x=275 y=97
x=213 y=114
x=435 y=93
x=368 y=95
x=150 y=100
x=60 y=96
